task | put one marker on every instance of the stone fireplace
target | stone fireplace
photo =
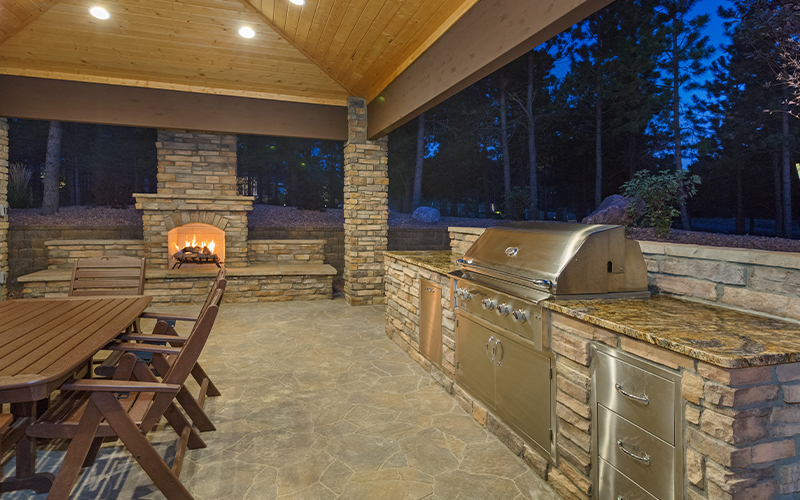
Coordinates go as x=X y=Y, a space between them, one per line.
x=196 y=194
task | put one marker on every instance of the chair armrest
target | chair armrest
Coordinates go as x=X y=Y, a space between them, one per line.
x=154 y=338
x=103 y=385
x=166 y=317
x=155 y=349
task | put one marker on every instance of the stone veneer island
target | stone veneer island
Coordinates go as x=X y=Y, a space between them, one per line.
x=738 y=375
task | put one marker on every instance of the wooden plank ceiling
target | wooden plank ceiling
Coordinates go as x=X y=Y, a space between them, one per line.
x=321 y=52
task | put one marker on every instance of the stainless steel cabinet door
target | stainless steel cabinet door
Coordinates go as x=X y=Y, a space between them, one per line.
x=523 y=389
x=430 y=321
x=475 y=372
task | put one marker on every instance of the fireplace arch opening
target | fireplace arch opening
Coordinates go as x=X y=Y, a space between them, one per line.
x=196 y=244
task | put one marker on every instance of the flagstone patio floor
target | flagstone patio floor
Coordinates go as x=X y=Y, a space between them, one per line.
x=317 y=403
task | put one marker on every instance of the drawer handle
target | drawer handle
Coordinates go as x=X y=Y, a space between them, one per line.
x=429 y=289
x=644 y=458
x=642 y=399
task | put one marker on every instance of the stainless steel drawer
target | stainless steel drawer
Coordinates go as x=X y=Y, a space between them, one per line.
x=644 y=458
x=430 y=321
x=615 y=486
x=639 y=395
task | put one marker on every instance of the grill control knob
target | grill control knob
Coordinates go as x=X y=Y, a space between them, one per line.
x=519 y=316
x=488 y=303
x=503 y=309
x=463 y=293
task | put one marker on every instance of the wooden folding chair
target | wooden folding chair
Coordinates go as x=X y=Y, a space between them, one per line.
x=165 y=334
x=163 y=328
x=6 y=419
x=127 y=406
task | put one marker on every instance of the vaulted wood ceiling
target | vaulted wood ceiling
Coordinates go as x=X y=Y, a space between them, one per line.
x=321 y=52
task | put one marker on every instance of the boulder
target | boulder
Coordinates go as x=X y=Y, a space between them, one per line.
x=426 y=214
x=614 y=210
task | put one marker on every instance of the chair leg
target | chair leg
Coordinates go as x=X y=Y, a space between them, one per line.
x=194 y=410
x=76 y=453
x=199 y=375
x=91 y=456
x=140 y=447
x=179 y=423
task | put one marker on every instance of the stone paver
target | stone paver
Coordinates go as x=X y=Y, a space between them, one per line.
x=317 y=403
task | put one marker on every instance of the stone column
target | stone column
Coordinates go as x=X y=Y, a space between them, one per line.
x=4 y=201
x=366 y=212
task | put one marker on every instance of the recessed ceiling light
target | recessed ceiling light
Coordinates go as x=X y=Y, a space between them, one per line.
x=99 y=13
x=298 y=2
x=247 y=32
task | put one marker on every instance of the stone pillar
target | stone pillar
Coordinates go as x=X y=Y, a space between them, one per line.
x=4 y=201
x=366 y=211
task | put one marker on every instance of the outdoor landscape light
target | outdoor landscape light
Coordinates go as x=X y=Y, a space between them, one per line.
x=298 y=2
x=99 y=13
x=247 y=32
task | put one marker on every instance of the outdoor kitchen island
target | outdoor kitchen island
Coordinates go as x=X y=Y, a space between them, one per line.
x=723 y=388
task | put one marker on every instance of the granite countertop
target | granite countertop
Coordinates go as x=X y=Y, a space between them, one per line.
x=438 y=261
x=716 y=335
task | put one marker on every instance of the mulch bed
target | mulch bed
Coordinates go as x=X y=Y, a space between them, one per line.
x=273 y=216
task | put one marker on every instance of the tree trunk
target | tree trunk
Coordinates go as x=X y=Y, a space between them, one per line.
x=504 y=137
x=776 y=171
x=676 y=121
x=533 y=212
x=598 y=144
x=417 y=198
x=52 y=172
x=77 y=179
x=739 y=201
x=787 y=185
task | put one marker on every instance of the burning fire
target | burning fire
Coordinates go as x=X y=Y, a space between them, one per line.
x=191 y=244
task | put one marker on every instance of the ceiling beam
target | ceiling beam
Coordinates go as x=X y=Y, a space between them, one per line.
x=492 y=34
x=45 y=99
x=35 y=15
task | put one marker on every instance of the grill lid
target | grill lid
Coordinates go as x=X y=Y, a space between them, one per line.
x=561 y=258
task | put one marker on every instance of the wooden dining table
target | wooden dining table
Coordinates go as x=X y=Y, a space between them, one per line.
x=44 y=342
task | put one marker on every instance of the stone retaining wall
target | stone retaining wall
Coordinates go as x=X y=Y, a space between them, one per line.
x=752 y=280
x=27 y=250
x=62 y=253
x=286 y=251
x=461 y=238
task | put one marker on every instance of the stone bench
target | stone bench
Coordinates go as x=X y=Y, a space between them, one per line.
x=260 y=283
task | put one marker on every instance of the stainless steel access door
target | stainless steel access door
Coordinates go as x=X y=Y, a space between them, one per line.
x=430 y=321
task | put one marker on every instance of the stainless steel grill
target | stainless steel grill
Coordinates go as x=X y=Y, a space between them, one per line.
x=504 y=276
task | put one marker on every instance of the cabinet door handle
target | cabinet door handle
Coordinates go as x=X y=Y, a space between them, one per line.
x=644 y=458
x=641 y=399
x=502 y=351
x=494 y=350
x=429 y=289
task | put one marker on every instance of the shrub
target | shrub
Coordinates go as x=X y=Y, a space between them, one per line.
x=20 y=194
x=517 y=201
x=659 y=192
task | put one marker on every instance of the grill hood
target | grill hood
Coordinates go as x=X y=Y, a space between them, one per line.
x=560 y=258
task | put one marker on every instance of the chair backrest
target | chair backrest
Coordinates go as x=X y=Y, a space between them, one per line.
x=107 y=275
x=221 y=277
x=185 y=361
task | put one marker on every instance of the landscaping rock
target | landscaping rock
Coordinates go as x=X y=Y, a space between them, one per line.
x=614 y=210
x=426 y=214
